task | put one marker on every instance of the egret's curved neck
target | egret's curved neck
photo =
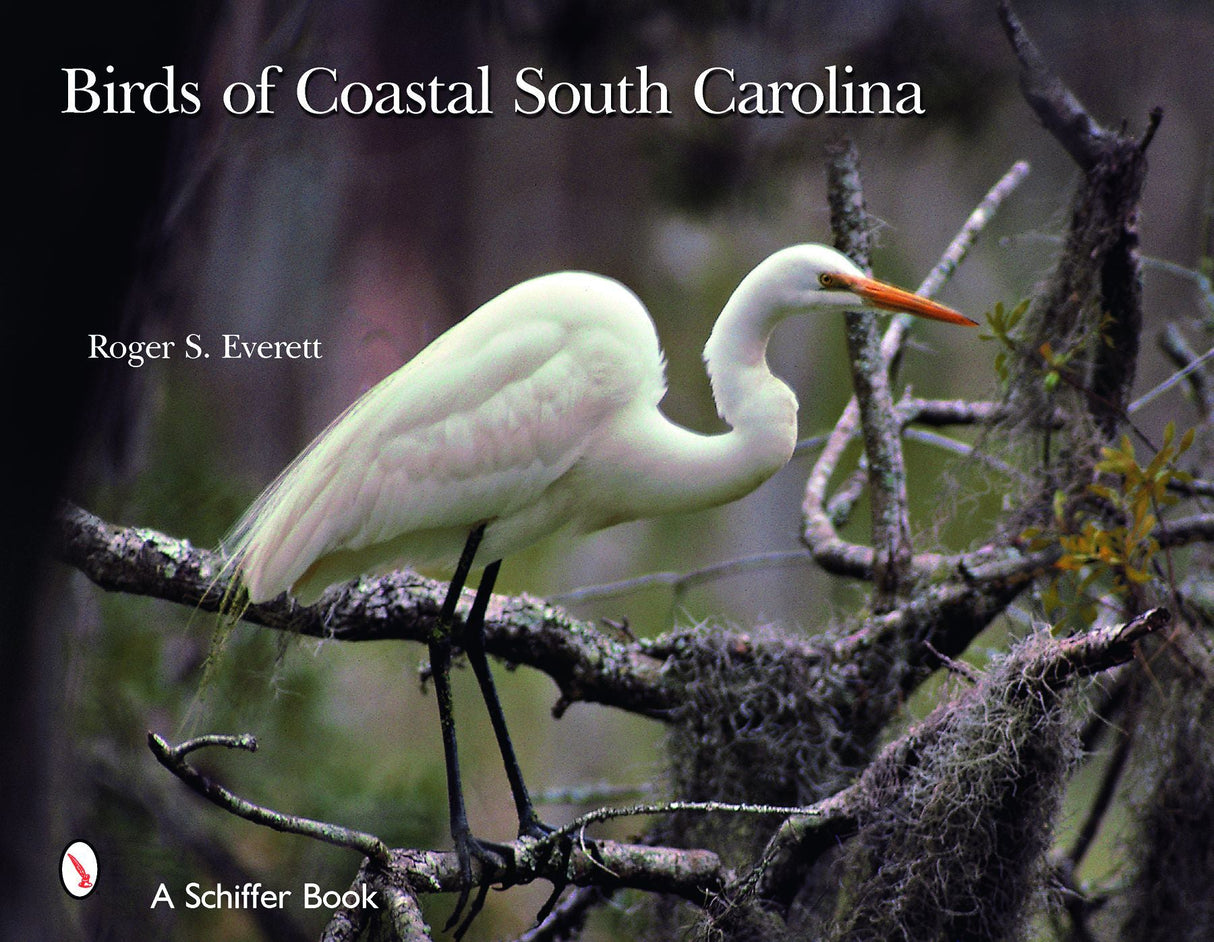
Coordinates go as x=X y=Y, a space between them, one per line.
x=736 y=357
x=697 y=471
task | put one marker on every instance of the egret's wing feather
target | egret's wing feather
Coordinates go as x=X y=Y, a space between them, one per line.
x=473 y=429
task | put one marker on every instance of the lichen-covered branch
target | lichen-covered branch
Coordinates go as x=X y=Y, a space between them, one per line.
x=891 y=540
x=173 y=758
x=585 y=662
x=563 y=857
x=934 y=752
x=819 y=530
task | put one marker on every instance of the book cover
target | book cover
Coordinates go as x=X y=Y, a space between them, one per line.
x=233 y=220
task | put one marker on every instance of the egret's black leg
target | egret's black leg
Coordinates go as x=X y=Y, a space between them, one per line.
x=440 y=645
x=474 y=646
x=528 y=822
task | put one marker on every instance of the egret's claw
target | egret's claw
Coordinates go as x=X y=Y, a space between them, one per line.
x=565 y=845
x=497 y=861
x=473 y=910
x=558 y=886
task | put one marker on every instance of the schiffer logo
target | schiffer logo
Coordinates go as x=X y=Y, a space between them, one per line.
x=78 y=869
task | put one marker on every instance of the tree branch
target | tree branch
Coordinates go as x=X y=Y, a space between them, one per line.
x=173 y=759
x=1095 y=290
x=1056 y=107
x=568 y=917
x=818 y=530
x=891 y=540
x=586 y=664
x=562 y=857
x=695 y=875
x=1047 y=665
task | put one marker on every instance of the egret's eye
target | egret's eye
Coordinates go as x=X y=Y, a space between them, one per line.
x=827 y=280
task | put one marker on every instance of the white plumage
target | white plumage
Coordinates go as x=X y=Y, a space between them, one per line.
x=538 y=414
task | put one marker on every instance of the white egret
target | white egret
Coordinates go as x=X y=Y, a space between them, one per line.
x=537 y=415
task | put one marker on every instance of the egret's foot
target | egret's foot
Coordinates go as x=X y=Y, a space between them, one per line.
x=565 y=846
x=497 y=862
x=534 y=827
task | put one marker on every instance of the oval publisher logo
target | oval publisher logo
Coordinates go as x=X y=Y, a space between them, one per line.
x=78 y=869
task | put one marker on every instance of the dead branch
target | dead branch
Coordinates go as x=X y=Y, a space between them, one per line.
x=1049 y=665
x=1095 y=289
x=870 y=373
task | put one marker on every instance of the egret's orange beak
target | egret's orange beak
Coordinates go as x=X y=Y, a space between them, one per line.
x=889 y=298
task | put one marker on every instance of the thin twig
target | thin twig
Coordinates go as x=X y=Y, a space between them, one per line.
x=1192 y=369
x=579 y=824
x=1101 y=803
x=954 y=666
x=592 y=793
x=173 y=759
x=936 y=440
x=948 y=411
x=958 y=249
x=978 y=220
x=1203 y=284
x=682 y=581
x=806 y=445
x=845 y=497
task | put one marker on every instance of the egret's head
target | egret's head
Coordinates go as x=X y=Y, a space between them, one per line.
x=817 y=276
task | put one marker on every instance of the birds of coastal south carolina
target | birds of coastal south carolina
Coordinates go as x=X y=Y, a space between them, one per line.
x=536 y=416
